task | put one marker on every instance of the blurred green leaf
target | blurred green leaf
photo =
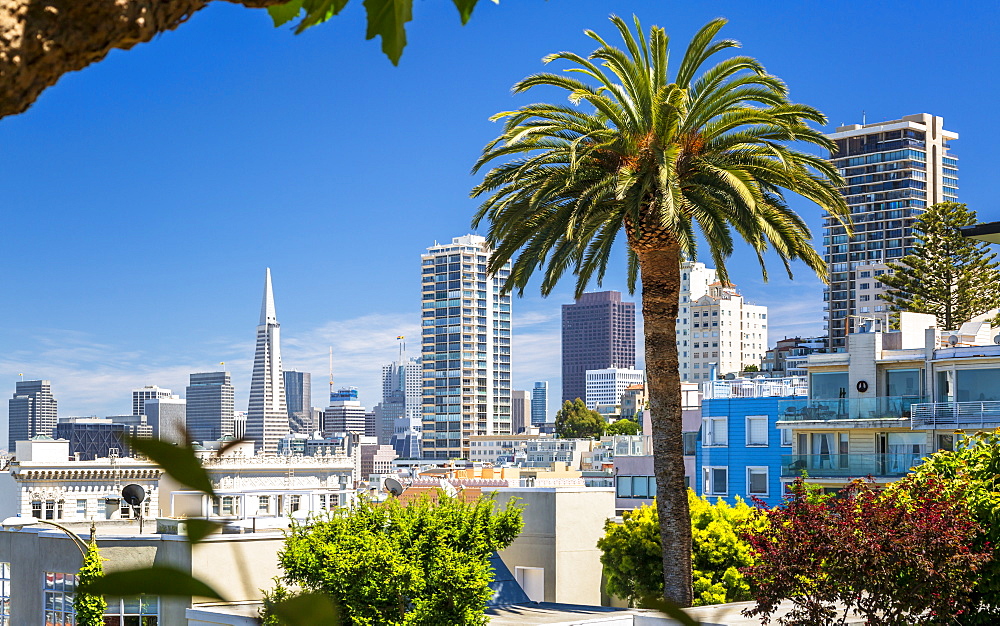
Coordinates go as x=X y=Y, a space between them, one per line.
x=179 y=462
x=387 y=19
x=319 y=11
x=465 y=8
x=670 y=609
x=308 y=608
x=198 y=529
x=284 y=13
x=229 y=444
x=161 y=581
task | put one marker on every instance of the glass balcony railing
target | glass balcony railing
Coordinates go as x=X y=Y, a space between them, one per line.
x=850 y=465
x=886 y=407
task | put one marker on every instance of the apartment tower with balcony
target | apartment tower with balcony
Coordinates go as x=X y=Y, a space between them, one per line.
x=893 y=170
x=465 y=347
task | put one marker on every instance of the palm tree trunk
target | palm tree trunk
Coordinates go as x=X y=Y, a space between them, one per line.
x=660 y=273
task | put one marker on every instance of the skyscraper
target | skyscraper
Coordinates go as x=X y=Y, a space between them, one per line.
x=894 y=170
x=267 y=414
x=598 y=331
x=465 y=347
x=520 y=410
x=400 y=412
x=539 y=402
x=167 y=417
x=149 y=392
x=210 y=405
x=298 y=397
x=32 y=411
x=345 y=413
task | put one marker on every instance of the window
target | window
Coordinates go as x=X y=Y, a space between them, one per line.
x=635 y=487
x=690 y=443
x=716 y=481
x=81 y=508
x=263 y=505
x=946 y=442
x=756 y=430
x=58 y=597
x=36 y=509
x=786 y=436
x=903 y=382
x=757 y=481
x=135 y=611
x=716 y=431
x=828 y=385
x=4 y=594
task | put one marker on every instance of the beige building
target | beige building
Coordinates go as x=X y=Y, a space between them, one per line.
x=727 y=334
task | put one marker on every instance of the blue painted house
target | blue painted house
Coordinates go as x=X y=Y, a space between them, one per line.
x=739 y=446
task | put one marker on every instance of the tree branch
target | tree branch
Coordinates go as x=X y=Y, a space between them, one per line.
x=40 y=40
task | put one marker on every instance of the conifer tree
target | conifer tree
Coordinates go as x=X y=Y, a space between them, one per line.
x=946 y=274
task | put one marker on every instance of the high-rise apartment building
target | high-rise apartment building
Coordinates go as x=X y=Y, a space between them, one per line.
x=149 y=392
x=267 y=414
x=598 y=331
x=726 y=334
x=695 y=281
x=465 y=347
x=893 y=170
x=32 y=411
x=298 y=398
x=539 y=402
x=211 y=401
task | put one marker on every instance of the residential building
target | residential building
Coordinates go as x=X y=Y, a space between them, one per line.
x=520 y=410
x=539 y=402
x=345 y=413
x=892 y=398
x=530 y=450
x=605 y=387
x=465 y=347
x=211 y=400
x=727 y=334
x=298 y=400
x=598 y=332
x=167 y=418
x=313 y=445
x=740 y=449
x=789 y=355
x=102 y=437
x=149 y=392
x=633 y=401
x=894 y=170
x=267 y=415
x=32 y=411
x=695 y=281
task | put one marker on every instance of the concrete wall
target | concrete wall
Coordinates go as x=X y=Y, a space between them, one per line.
x=561 y=529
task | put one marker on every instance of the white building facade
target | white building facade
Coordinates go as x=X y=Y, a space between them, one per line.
x=606 y=387
x=727 y=335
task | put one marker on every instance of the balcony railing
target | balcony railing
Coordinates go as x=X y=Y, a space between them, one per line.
x=886 y=407
x=955 y=415
x=850 y=465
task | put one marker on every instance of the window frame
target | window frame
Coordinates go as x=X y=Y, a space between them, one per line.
x=767 y=434
x=708 y=484
x=767 y=480
x=710 y=431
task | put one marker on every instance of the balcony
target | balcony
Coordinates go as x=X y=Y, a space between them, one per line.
x=887 y=407
x=892 y=465
x=955 y=415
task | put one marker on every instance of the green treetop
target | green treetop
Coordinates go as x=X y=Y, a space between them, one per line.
x=946 y=274
x=623 y=427
x=575 y=421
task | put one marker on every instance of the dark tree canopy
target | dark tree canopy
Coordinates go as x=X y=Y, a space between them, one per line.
x=946 y=274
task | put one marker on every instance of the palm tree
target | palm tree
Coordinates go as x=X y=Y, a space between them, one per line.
x=662 y=161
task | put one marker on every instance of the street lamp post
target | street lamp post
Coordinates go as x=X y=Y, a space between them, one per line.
x=17 y=523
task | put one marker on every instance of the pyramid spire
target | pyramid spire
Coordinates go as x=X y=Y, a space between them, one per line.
x=267 y=314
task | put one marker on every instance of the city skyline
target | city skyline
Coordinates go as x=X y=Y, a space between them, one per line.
x=202 y=246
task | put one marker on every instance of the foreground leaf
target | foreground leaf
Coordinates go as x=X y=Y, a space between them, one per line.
x=198 y=529
x=157 y=580
x=387 y=19
x=308 y=608
x=284 y=13
x=179 y=462
x=670 y=609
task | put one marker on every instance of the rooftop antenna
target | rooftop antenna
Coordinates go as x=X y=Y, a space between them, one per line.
x=864 y=117
x=402 y=346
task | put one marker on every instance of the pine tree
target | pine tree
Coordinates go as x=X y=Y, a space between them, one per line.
x=946 y=274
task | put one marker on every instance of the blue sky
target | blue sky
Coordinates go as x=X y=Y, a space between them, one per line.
x=144 y=196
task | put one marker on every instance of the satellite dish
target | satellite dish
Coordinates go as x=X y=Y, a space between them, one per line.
x=393 y=486
x=133 y=494
x=996 y=340
x=953 y=340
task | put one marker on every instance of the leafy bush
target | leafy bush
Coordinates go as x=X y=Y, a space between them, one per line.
x=633 y=560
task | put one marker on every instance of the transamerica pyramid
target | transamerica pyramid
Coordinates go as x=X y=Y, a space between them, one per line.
x=267 y=416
